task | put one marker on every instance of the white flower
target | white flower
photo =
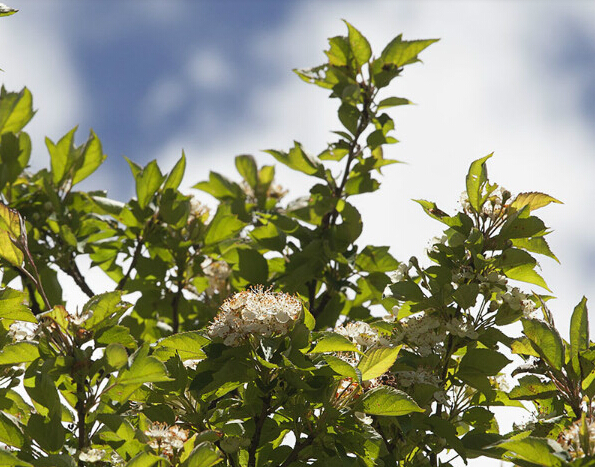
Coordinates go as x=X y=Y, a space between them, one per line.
x=91 y=455
x=362 y=417
x=254 y=312
x=362 y=334
x=22 y=331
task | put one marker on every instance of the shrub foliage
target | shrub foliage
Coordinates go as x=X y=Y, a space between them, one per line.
x=262 y=333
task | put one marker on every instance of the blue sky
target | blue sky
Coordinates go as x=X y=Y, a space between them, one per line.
x=214 y=78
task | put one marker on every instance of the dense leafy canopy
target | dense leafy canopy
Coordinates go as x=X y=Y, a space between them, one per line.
x=263 y=333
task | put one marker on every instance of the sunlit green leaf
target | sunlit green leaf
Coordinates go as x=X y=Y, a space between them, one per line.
x=148 y=182
x=247 y=168
x=360 y=47
x=333 y=342
x=546 y=341
x=399 y=52
x=579 y=333
x=477 y=177
x=176 y=175
x=386 y=400
x=534 y=200
x=16 y=108
x=19 y=352
x=144 y=370
x=377 y=361
x=188 y=345
x=12 y=306
x=536 y=450
x=203 y=455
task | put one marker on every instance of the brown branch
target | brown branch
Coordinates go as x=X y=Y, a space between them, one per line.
x=74 y=272
x=135 y=256
x=175 y=303
x=260 y=419
x=293 y=455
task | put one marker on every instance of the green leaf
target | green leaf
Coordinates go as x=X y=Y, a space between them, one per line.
x=535 y=450
x=48 y=433
x=466 y=295
x=342 y=368
x=148 y=182
x=534 y=200
x=15 y=153
x=223 y=226
x=349 y=117
x=16 y=108
x=386 y=400
x=10 y=433
x=483 y=362
x=536 y=245
x=60 y=155
x=360 y=47
x=399 y=52
x=579 y=334
x=476 y=179
x=532 y=388
x=377 y=361
x=19 y=352
x=247 y=168
x=176 y=175
x=10 y=234
x=392 y=102
x=376 y=259
x=188 y=345
x=546 y=341
x=253 y=266
x=333 y=342
x=339 y=51
x=220 y=187
x=144 y=459
x=526 y=273
x=116 y=355
x=203 y=455
x=6 y=458
x=297 y=159
x=90 y=158
x=12 y=306
x=144 y=370
x=106 y=308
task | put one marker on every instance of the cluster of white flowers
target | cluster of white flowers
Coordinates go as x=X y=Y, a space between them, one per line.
x=166 y=439
x=22 y=331
x=254 y=312
x=434 y=242
x=516 y=300
x=218 y=273
x=198 y=211
x=400 y=273
x=570 y=439
x=461 y=328
x=493 y=208
x=419 y=376
x=422 y=333
x=91 y=455
x=362 y=334
x=79 y=318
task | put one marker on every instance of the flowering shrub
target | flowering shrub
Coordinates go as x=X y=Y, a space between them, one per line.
x=263 y=333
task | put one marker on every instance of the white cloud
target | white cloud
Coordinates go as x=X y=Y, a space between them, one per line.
x=38 y=56
x=482 y=89
x=208 y=69
x=163 y=98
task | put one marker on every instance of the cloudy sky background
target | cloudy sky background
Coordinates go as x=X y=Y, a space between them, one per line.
x=214 y=78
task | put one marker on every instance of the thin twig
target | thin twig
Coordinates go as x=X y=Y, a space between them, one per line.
x=293 y=455
x=135 y=256
x=74 y=272
x=264 y=411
